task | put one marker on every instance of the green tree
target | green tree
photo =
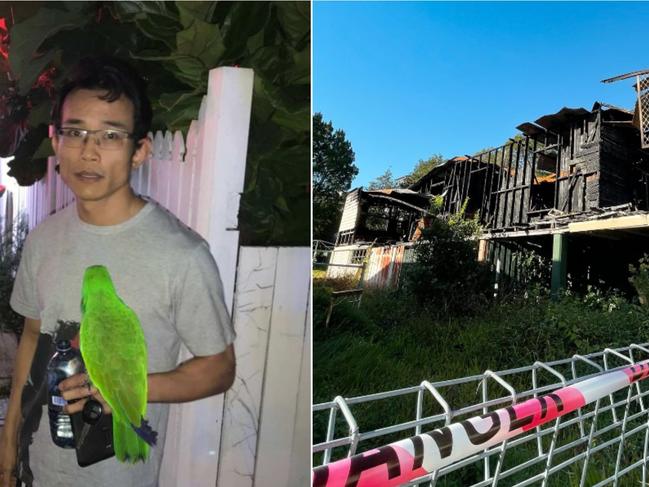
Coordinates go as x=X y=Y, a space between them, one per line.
x=422 y=168
x=333 y=171
x=384 y=181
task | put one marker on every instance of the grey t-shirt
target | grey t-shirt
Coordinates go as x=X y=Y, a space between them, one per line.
x=163 y=271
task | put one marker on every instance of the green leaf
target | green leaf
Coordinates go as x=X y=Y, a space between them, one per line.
x=27 y=37
x=294 y=18
x=32 y=70
x=25 y=168
x=185 y=68
x=299 y=121
x=40 y=114
x=159 y=29
x=190 y=11
x=44 y=150
x=129 y=11
x=300 y=73
x=192 y=71
x=170 y=101
x=243 y=28
x=178 y=110
x=203 y=41
x=280 y=202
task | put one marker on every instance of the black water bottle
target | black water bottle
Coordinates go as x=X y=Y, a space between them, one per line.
x=65 y=363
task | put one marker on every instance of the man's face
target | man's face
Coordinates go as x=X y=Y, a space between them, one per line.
x=92 y=172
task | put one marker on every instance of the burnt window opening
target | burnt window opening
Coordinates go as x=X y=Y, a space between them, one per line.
x=358 y=256
x=387 y=222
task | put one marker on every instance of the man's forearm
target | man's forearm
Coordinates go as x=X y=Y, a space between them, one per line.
x=194 y=379
x=23 y=363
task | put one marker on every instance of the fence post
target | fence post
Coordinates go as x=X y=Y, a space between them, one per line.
x=559 y=258
x=192 y=458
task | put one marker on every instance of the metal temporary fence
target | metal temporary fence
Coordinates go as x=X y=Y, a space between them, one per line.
x=321 y=248
x=581 y=421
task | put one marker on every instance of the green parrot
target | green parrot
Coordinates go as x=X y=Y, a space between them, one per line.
x=114 y=351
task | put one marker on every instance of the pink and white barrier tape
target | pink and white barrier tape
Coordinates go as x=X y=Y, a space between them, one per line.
x=404 y=460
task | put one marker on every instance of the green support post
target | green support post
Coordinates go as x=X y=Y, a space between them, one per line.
x=559 y=263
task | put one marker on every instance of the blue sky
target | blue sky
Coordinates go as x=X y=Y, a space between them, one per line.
x=407 y=80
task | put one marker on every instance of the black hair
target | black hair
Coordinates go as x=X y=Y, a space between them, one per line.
x=115 y=76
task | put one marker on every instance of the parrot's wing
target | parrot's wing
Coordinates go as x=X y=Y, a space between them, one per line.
x=119 y=368
x=122 y=391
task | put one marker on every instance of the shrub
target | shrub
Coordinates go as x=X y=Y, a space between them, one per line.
x=640 y=279
x=11 y=246
x=446 y=276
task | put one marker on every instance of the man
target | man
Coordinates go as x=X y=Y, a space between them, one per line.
x=160 y=269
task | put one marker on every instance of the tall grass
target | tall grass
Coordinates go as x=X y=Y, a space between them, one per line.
x=391 y=342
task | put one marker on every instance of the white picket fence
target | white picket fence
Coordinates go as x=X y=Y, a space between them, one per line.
x=257 y=434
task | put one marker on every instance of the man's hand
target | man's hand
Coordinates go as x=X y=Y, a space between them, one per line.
x=76 y=390
x=8 y=454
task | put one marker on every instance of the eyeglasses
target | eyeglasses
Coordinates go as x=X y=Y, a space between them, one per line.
x=109 y=139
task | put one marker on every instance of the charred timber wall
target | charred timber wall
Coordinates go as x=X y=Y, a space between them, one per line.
x=620 y=181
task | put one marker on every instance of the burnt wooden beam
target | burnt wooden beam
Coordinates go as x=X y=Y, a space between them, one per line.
x=485 y=197
x=547 y=148
x=626 y=75
x=506 y=218
x=501 y=177
x=491 y=185
x=558 y=173
x=468 y=183
x=520 y=213
x=532 y=178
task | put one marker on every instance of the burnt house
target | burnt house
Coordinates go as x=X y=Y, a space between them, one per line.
x=571 y=186
x=571 y=163
x=564 y=165
x=575 y=175
x=381 y=216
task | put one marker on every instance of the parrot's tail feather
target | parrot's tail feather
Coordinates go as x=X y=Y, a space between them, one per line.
x=146 y=432
x=128 y=446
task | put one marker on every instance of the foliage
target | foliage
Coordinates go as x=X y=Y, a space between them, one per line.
x=348 y=281
x=640 y=279
x=445 y=275
x=384 y=181
x=394 y=343
x=175 y=44
x=333 y=171
x=530 y=273
x=423 y=167
x=11 y=247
